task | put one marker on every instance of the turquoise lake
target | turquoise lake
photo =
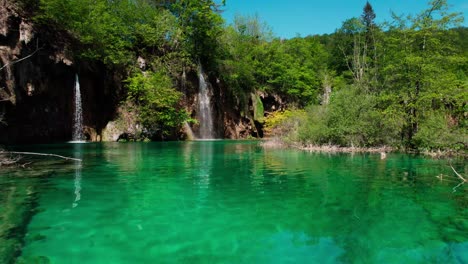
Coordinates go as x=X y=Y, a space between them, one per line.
x=230 y=202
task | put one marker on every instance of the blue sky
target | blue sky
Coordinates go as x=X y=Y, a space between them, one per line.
x=288 y=18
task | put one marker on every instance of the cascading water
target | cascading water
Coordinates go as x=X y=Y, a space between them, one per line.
x=77 y=134
x=204 y=109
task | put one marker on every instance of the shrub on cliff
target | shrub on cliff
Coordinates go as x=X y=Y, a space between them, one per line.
x=156 y=102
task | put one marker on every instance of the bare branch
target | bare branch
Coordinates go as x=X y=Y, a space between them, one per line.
x=8 y=160
x=16 y=61
x=458 y=174
x=456 y=187
x=347 y=61
x=41 y=154
x=25 y=164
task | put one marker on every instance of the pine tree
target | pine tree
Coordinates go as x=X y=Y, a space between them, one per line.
x=370 y=46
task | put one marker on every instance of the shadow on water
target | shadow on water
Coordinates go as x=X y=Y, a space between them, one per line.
x=20 y=192
x=18 y=204
x=49 y=179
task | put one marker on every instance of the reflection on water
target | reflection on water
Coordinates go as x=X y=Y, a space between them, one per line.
x=234 y=202
x=77 y=150
x=205 y=163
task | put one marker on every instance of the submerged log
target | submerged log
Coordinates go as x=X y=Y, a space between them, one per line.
x=458 y=174
x=41 y=154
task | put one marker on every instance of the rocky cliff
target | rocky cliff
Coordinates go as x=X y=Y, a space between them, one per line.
x=37 y=77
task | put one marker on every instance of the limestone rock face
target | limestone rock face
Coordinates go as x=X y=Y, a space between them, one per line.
x=37 y=75
x=112 y=131
x=37 y=78
x=124 y=126
x=232 y=119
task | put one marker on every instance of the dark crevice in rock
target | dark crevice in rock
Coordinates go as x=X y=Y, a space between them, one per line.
x=36 y=94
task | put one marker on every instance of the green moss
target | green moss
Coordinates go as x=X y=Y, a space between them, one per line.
x=259 y=111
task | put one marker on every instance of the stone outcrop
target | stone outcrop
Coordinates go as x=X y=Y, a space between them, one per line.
x=36 y=83
x=37 y=77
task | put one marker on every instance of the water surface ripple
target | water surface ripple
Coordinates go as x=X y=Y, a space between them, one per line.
x=232 y=202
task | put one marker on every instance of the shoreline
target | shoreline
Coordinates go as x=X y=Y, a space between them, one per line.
x=338 y=149
x=382 y=150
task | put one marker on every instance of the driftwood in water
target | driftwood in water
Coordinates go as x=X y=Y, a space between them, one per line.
x=7 y=160
x=40 y=154
x=458 y=174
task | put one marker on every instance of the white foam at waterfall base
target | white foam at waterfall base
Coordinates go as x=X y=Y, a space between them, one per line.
x=204 y=109
x=77 y=133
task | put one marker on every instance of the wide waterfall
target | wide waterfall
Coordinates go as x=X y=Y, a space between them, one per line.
x=204 y=109
x=77 y=134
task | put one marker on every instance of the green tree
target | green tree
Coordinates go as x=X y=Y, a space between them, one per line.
x=157 y=103
x=419 y=68
x=201 y=23
x=371 y=43
x=352 y=47
x=368 y=16
x=358 y=41
x=242 y=45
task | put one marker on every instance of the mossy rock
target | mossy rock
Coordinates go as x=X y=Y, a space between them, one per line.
x=259 y=110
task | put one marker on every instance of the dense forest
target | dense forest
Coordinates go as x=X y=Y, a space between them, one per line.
x=402 y=83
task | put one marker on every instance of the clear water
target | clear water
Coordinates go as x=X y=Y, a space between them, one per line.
x=231 y=202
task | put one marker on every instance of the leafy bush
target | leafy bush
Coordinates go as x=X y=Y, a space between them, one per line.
x=351 y=119
x=111 y=31
x=314 y=129
x=157 y=102
x=436 y=132
x=284 y=124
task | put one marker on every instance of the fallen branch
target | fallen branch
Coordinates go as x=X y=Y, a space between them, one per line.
x=8 y=161
x=25 y=164
x=458 y=174
x=41 y=154
x=456 y=187
x=18 y=60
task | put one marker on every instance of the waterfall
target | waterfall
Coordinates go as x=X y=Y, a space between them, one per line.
x=78 y=115
x=204 y=109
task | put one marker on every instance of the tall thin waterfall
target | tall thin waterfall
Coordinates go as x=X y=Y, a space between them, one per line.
x=77 y=134
x=204 y=109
